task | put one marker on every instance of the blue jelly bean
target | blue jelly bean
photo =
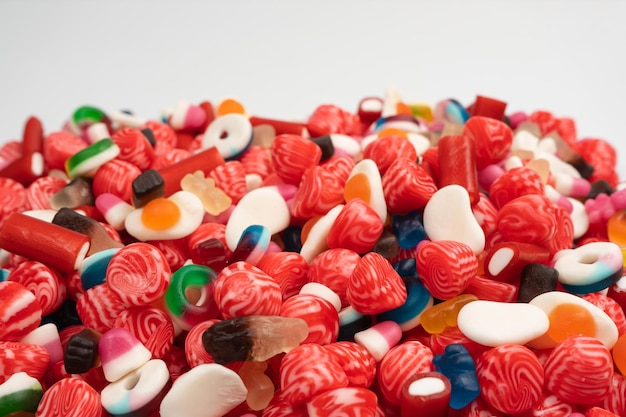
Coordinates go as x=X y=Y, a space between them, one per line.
x=408 y=314
x=94 y=268
x=457 y=365
x=406 y=267
x=409 y=229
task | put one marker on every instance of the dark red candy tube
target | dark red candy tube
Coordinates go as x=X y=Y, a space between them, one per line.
x=425 y=394
x=203 y=161
x=457 y=164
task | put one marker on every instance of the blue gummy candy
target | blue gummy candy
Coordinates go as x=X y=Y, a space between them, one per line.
x=409 y=229
x=406 y=267
x=417 y=300
x=94 y=268
x=457 y=365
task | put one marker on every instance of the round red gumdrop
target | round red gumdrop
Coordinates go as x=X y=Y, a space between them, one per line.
x=242 y=289
x=510 y=377
x=333 y=268
x=70 y=397
x=492 y=138
x=309 y=370
x=20 y=312
x=357 y=227
x=319 y=314
x=579 y=370
x=399 y=364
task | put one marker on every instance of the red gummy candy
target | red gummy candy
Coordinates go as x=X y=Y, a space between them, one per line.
x=115 y=177
x=492 y=138
x=292 y=155
x=527 y=219
x=407 y=186
x=99 y=307
x=318 y=313
x=327 y=119
x=22 y=357
x=231 y=178
x=59 y=146
x=357 y=227
x=70 y=397
x=12 y=197
x=319 y=191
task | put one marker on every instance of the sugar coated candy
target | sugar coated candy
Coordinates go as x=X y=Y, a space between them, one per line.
x=20 y=393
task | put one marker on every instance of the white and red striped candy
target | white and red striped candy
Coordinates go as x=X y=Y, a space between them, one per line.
x=341 y=167
x=99 y=307
x=387 y=149
x=46 y=283
x=231 y=178
x=510 y=377
x=480 y=408
x=358 y=364
x=485 y=214
x=320 y=190
x=615 y=402
x=39 y=192
x=244 y=290
x=288 y=269
x=374 y=286
x=345 y=402
x=357 y=227
x=70 y=397
x=138 y=274
x=515 y=183
x=176 y=251
x=579 y=370
x=151 y=326
x=407 y=186
x=208 y=231
x=399 y=364
x=256 y=161
x=333 y=269
x=492 y=139
x=20 y=312
x=59 y=146
x=163 y=133
x=491 y=290
x=134 y=147
x=115 y=177
x=309 y=370
x=22 y=357
x=527 y=219
x=445 y=267
x=291 y=155
x=12 y=197
x=319 y=314
x=610 y=307
x=195 y=352
x=549 y=405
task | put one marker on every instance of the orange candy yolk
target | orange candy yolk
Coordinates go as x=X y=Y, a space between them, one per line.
x=390 y=131
x=570 y=320
x=358 y=186
x=160 y=214
x=229 y=106
x=619 y=354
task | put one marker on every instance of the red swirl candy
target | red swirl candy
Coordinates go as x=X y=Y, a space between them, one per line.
x=139 y=274
x=43 y=281
x=12 y=197
x=175 y=251
x=510 y=377
x=163 y=133
x=59 y=146
x=357 y=227
x=134 y=147
x=387 y=149
x=231 y=178
x=445 y=267
x=527 y=219
x=299 y=381
x=22 y=357
x=329 y=118
x=195 y=352
x=549 y=405
x=492 y=138
x=346 y=402
x=319 y=191
x=399 y=364
x=319 y=314
x=515 y=183
x=615 y=402
x=491 y=290
x=151 y=326
x=291 y=155
x=9 y=152
x=579 y=370
x=333 y=268
x=374 y=286
x=256 y=160
x=39 y=192
x=610 y=307
x=244 y=290
x=70 y=397
x=407 y=186
x=289 y=270
x=115 y=177
x=99 y=307
x=358 y=364
x=20 y=312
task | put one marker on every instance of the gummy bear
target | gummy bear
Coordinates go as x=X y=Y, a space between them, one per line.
x=214 y=200
x=457 y=365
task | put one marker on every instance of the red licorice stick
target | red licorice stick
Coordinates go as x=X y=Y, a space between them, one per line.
x=505 y=260
x=280 y=126
x=25 y=169
x=203 y=161
x=457 y=164
x=32 y=139
x=488 y=107
x=38 y=240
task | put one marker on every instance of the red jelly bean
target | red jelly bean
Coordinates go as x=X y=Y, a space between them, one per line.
x=374 y=286
x=319 y=314
x=43 y=281
x=398 y=365
x=407 y=186
x=151 y=326
x=70 y=397
x=510 y=377
x=288 y=269
x=138 y=274
x=445 y=267
x=357 y=227
x=20 y=312
x=244 y=290
x=492 y=138
x=22 y=357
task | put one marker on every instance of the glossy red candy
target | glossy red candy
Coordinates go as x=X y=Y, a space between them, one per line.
x=579 y=370
x=59 y=146
x=329 y=118
x=318 y=313
x=39 y=192
x=510 y=377
x=514 y=183
x=288 y=269
x=426 y=394
x=299 y=381
x=99 y=307
x=12 y=197
x=457 y=164
x=256 y=160
x=488 y=107
x=399 y=365
x=231 y=178
x=195 y=352
x=358 y=364
x=387 y=149
x=527 y=219
x=291 y=155
x=615 y=402
x=347 y=402
x=452 y=334
x=491 y=290
x=445 y=267
x=244 y=290
x=492 y=138
x=407 y=186
x=20 y=312
x=162 y=132
x=333 y=268
x=176 y=251
x=505 y=260
x=22 y=357
x=46 y=283
x=374 y=286
x=319 y=191
x=610 y=307
x=357 y=227
x=70 y=397
x=151 y=326
x=115 y=177
x=138 y=274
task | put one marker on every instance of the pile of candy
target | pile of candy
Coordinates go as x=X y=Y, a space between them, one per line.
x=402 y=260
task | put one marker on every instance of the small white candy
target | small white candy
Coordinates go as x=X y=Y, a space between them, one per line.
x=207 y=390
x=492 y=323
x=322 y=291
x=264 y=206
x=579 y=216
x=315 y=242
x=448 y=216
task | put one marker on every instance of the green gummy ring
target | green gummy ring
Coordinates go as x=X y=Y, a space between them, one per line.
x=90 y=158
x=87 y=114
x=176 y=301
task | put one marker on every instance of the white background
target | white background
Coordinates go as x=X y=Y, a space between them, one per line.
x=283 y=58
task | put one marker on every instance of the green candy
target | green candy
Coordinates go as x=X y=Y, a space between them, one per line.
x=20 y=392
x=185 y=313
x=87 y=115
x=88 y=160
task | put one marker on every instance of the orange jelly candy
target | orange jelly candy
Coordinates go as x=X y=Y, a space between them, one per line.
x=616 y=228
x=358 y=186
x=391 y=131
x=619 y=354
x=160 y=214
x=437 y=318
x=570 y=320
x=228 y=106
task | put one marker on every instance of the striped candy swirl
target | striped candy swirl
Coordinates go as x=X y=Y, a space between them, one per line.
x=511 y=378
x=12 y=197
x=46 y=283
x=99 y=307
x=134 y=147
x=579 y=370
x=358 y=364
x=288 y=269
x=230 y=177
x=399 y=364
x=357 y=227
x=151 y=326
x=320 y=315
x=291 y=155
x=333 y=268
x=39 y=192
x=407 y=186
x=446 y=267
x=70 y=397
x=20 y=312
x=22 y=357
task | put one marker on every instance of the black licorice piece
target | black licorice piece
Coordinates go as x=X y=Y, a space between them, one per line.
x=72 y=220
x=292 y=239
x=64 y=316
x=600 y=187
x=583 y=167
x=81 y=352
x=387 y=245
x=228 y=341
x=325 y=143
x=149 y=134
x=146 y=187
x=536 y=279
